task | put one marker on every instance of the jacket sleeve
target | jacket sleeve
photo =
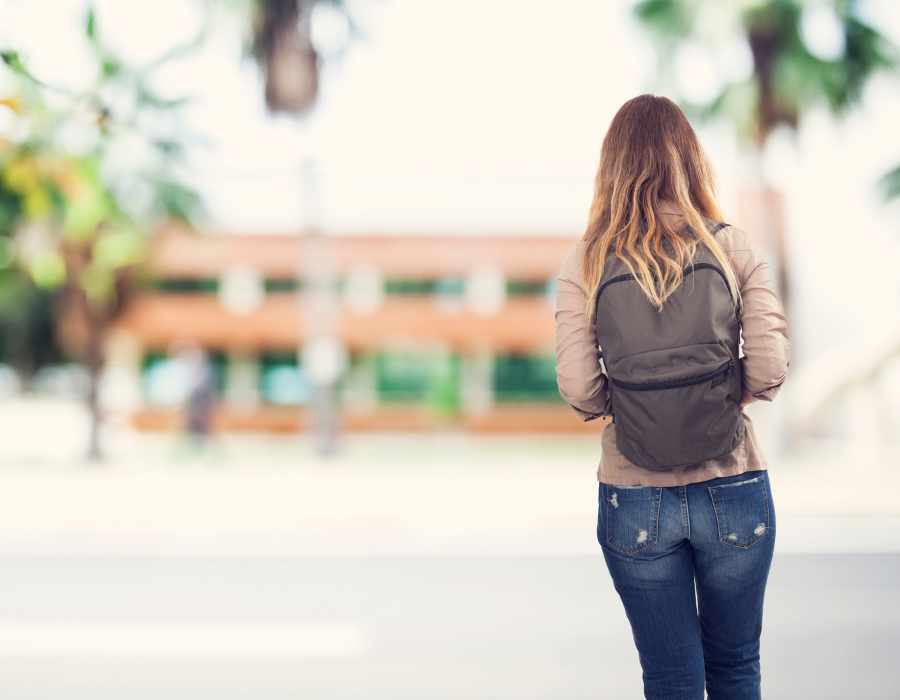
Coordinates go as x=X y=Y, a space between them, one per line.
x=579 y=377
x=767 y=347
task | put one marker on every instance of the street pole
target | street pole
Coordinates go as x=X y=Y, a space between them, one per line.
x=322 y=354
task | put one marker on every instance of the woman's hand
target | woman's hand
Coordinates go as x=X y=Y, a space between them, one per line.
x=747 y=398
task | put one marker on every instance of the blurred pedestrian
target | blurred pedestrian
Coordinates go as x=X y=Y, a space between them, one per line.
x=663 y=291
x=200 y=394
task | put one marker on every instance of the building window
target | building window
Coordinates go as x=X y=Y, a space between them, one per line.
x=282 y=381
x=429 y=378
x=408 y=287
x=166 y=380
x=522 y=377
x=184 y=285
x=281 y=285
x=517 y=288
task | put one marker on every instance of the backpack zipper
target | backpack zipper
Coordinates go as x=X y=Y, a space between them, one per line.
x=727 y=368
x=697 y=266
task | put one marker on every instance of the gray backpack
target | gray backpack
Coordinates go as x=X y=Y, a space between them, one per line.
x=674 y=375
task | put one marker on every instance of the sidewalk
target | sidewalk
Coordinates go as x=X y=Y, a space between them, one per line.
x=389 y=495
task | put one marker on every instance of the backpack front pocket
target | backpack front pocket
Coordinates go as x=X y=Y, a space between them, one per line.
x=716 y=376
x=676 y=406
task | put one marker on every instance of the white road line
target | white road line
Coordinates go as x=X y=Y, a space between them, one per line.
x=136 y=638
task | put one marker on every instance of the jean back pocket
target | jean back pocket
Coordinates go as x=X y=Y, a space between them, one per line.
x=742 y=511
x=632 y=517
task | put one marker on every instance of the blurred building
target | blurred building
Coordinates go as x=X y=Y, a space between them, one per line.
x=438 y=331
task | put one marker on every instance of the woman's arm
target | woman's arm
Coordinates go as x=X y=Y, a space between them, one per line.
x=767 y=347
x=747 y=398
x=579 y=377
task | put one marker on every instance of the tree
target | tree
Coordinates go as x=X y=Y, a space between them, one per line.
x=284 y=45
x=790 y=71
x=80 y=222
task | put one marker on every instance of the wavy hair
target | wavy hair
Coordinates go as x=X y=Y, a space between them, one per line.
x=651 y=154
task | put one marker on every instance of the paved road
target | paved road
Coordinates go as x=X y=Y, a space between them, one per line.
x=441 y=627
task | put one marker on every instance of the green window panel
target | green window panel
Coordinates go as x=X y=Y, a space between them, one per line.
x=164 y=379
x=526 y=378
x=408 y=287
x=518 y=288
x=184 y=285
x=432 y=379
x=283 y=381
x=282 y=285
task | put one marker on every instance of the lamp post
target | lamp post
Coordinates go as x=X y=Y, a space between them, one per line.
x=292 y=38
x=322 y=353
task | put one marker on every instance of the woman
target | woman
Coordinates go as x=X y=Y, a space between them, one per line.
x=707 y=526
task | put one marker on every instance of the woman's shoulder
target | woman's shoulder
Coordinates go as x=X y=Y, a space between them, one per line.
x=736 y=242
x=571 y=266
x=742 y=250
x=733 y=238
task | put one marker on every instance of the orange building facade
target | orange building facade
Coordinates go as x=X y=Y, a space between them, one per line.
x=435 y=331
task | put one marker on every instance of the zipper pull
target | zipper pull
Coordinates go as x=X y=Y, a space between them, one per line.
x=723 y=375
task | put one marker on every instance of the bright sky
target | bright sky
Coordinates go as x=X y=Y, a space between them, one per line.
x=448 y=116
x=479 y=116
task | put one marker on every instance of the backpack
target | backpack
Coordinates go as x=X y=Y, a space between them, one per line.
x=674 y=374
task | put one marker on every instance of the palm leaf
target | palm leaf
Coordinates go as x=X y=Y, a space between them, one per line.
x=890 y=184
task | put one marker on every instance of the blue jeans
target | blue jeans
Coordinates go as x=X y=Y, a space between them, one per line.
x=659 y=542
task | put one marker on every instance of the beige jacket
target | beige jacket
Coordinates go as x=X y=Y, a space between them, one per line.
x=765 y=360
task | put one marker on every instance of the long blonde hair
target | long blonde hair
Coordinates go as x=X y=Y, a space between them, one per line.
x=650 y=154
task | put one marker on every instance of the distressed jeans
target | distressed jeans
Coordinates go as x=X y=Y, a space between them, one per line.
x=661 y=544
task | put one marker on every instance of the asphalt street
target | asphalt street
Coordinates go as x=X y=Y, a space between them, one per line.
x=406 y=627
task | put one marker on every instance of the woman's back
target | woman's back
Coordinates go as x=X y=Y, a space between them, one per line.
x=766 y=347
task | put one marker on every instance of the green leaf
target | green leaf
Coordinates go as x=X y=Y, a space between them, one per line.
x=90 y=28
x=48 y=269
x=890 y=184
x=7 y=252
x=98 y=281
x=10 y=209
x=110 y=66
x=177 y=202
x=671 y=18
x=120 y=248
x=739 y=103
x=11 y=58
x=85 y=211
